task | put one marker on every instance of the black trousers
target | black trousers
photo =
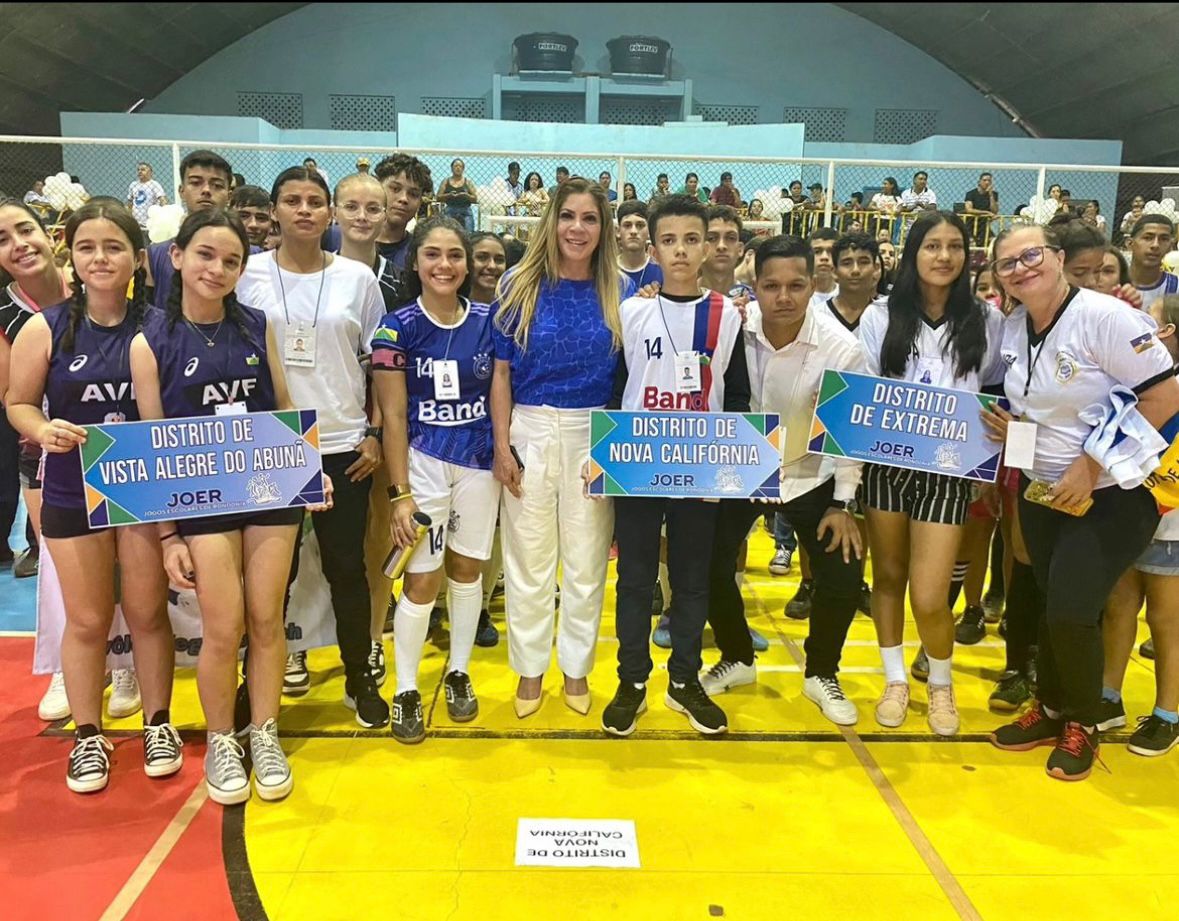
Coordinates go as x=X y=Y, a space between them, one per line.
x=1077 y=562
x=837 y=584
x=637 y=524
x=340 y=533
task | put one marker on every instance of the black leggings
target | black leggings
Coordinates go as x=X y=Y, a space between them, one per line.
x=1077 y=562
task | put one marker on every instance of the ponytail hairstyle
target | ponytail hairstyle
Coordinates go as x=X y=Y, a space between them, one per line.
x=198 y=220
x=422 y=229
x=116 y=212
x=967 y=340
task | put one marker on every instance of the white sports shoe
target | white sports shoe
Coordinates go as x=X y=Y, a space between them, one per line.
x=124 y=694
x=54 y=705
x=725 y=675
x=826 y=692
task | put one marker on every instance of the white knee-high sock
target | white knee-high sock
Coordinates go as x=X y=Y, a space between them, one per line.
x=411 y=623
x=466 y=600
x=893 y=659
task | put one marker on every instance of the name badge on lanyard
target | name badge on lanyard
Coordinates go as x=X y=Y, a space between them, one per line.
x=446 y=379
x=687 y=372
x=298 y=350
x=230 y=409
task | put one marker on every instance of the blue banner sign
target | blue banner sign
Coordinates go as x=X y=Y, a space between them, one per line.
x=899 y=424
x=684 y=455
x=136 y=472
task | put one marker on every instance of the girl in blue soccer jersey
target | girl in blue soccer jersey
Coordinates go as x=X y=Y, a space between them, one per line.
x=73 y=357
x=206 y=355
x=434 y=356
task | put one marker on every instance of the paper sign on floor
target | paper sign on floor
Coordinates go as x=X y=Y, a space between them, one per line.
x=576 y=843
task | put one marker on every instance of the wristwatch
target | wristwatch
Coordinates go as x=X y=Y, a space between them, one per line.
x=845 y=505
x=374 y=431
x=396 y=492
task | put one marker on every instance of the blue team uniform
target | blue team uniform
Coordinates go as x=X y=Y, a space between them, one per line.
x=455 y=431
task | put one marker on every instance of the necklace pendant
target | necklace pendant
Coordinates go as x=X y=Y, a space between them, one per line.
x=209 y=344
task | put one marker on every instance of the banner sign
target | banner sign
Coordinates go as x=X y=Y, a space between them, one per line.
x=899 y=424
x=136 y=472
x=684 y=455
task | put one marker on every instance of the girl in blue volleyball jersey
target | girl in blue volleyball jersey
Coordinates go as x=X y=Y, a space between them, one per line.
x=74 y=358
x=434 y=356
x=204 y=355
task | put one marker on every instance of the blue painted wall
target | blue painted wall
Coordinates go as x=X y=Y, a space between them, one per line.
x=766 y=55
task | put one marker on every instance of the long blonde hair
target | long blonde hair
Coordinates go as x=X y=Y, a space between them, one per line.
x=541 y=267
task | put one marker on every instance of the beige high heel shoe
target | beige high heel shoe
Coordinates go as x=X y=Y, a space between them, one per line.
x=526 y=707
x=579 y=703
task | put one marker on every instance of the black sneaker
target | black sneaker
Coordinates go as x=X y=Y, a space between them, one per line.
x=296 y=681
x=1072 y=759
x=920 y=668
x=409 y=726
x=1146 y=650
x=1154 y=736
x=972 y=627
x=702 y=711
x=376 y=662
x=361 y=695
x=1032 y=729
x=799 y=607
x=241 y=712
x=162 y=756
x=486 y=634
x=657 y=600
x=1110 y=715
x=865 y=606
x=622 y=713
x=1002 y=631
x=993 y=604
x=90 y=764
x=437 y=635
x=1011 y=693
x=462 y=705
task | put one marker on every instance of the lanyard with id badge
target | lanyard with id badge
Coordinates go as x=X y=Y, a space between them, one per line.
x=298 y=346
x=445 y=370
x=687 y=363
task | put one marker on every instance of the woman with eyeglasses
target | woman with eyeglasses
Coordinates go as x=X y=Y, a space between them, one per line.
x=931 y=330
x=1065 y=348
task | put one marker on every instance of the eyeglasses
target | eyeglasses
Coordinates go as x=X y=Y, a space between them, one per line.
x=352 y=209
x=1030 y=257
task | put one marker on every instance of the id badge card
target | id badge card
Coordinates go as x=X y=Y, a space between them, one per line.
x=687 y=372
x=446 y=379
x=230 y=409
x=929 y=370
x=298 y=348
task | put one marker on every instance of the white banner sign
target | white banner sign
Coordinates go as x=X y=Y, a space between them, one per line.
x=576 y=843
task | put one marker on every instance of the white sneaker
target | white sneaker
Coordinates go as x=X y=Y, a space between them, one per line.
x=724 y=676
x=124 y=694
x=825 y=691
x=780 y=564
x=54 y=705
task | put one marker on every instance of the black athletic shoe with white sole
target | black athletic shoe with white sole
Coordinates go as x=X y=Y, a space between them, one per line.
x=1154 y=736
x=361 y=695
x=462 y=705
x=89 y=769
x=702 y=712
x=409 y=726
x=162 y=755
x=622 y=713
x=376 y=662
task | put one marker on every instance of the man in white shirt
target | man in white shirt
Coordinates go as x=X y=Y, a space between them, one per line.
x=1151 y=238
x=788 y=344
x=36 y=195
x=143 y=193
x=919 y=197
x=822 y=243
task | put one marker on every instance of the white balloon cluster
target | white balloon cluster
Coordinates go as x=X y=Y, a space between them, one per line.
x=1040 y=210
x=64 y=194
x=773 y=204
x=163 y=222
x=495 y=197
x=1166 y=208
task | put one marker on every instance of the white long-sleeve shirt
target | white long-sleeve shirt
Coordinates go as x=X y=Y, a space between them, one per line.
x=786 y=381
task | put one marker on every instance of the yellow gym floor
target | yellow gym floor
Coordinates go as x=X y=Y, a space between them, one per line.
x=787 y=815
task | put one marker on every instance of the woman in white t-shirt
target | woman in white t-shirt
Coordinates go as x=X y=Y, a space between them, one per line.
x=324 y=311
x=1065 y=349
x=932 y=330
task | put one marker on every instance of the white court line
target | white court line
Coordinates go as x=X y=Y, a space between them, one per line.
x=5 y=633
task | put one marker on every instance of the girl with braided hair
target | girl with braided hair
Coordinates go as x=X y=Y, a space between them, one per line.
x=74 y=357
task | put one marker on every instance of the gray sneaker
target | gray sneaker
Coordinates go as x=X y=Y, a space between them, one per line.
x=225 y=775
x=272 y=774
x=462 y=705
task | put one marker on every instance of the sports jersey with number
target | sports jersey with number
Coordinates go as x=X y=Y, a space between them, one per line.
x=655 y=329
x=1093 y=343
x=931 y=360
x=410 y=341
x=195 y=378
x=88 y=385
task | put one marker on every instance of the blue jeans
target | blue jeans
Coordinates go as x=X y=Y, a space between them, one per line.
x=784 y=537
x=463 y=216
